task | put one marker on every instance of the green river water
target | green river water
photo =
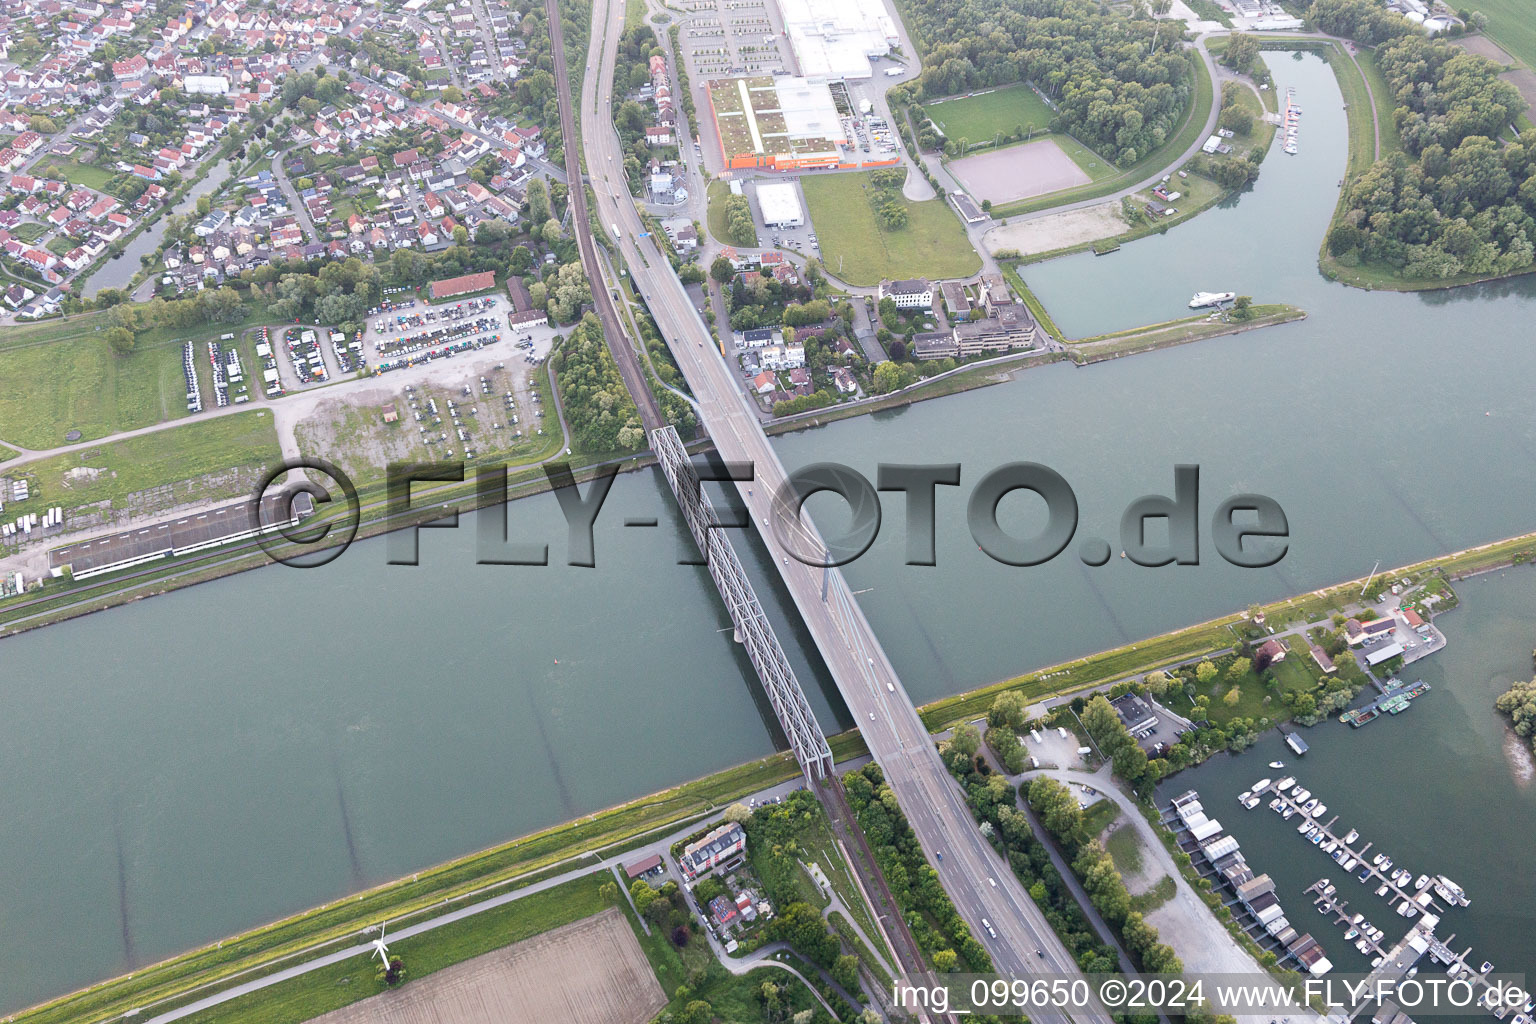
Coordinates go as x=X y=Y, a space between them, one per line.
x=181 y=768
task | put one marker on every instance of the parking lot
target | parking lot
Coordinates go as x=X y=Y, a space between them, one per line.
x=798 y=239
x=305 y=356
x=733 y=37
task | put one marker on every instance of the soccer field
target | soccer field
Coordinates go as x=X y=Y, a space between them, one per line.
x=979 y=118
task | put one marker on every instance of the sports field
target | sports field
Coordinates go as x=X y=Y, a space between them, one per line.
x=979 y=118
x=589 y=972
x=857 y=249
x=1018 y=172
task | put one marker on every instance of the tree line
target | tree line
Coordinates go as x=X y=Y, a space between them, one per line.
x=995 y=803
x=1457 y=200
x=935 y=924
x=1120 y=81
x=598 y=408
x=1062 y=816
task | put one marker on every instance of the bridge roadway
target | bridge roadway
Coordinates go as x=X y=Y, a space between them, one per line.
x=976 y=878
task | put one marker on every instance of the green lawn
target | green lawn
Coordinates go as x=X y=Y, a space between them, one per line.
x=716 y=194
x=1511 y=26
x=113 y=470
x=303 y=998
x=76 y=173
x=858 y=250
x=981 y=118
x=1164 y=156
x=1381 y=92
x=29 y=232
x=62 y=377
x=1098 y=816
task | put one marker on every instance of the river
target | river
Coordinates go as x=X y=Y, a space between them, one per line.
x=181 y=768
x=119 y=273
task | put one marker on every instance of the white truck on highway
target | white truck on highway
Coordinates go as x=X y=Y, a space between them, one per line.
x=615 y=230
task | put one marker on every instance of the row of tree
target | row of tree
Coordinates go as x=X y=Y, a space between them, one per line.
x=936 y=925
x=1062 y=816
x=598 y=408
x=1120 y=81
x=994 y=801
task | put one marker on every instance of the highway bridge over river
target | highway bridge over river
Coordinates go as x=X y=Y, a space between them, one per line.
x=977 y=879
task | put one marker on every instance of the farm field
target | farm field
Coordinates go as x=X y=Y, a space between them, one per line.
x=353 y=980
x=1511 y=26
x=589 y=972
x=859 y=250
x=981 y=118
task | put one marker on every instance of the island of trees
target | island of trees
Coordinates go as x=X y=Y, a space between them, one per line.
x=1459 y=199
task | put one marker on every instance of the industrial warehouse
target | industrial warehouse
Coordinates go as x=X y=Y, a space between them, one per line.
x=779 y=123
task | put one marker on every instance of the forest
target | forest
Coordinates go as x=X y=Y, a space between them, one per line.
x=601 y=415
x=1120 y=84
x=1457 y=200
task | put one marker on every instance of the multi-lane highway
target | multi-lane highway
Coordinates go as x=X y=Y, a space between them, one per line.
x=613 y=328
x=977 y=879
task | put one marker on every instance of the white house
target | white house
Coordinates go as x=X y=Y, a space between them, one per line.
x=913 y=294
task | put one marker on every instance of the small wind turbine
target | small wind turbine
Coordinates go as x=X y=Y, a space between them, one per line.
x=379 y=948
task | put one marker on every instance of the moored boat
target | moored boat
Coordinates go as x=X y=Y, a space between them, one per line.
x=1204 y=299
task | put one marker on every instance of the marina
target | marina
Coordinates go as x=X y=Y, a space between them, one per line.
x=1253 y=903
x=1394 y=700
x=1410 y=897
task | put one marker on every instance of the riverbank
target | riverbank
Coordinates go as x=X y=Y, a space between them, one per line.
x=1119 y=344
x=526 y=859
x=1107 y=667
x=1372 y=136
x=65 y=599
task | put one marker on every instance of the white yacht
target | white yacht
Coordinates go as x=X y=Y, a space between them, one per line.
x=1204 y=299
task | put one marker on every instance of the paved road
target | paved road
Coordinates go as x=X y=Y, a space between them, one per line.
x=291 y=194
x=978 y=881
x=586 y=867
x=613 y=329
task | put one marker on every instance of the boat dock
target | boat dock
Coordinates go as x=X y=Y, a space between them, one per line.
x=1372 y=871
x=1408 y=897
x=1291 y=121
x=1393 y=701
